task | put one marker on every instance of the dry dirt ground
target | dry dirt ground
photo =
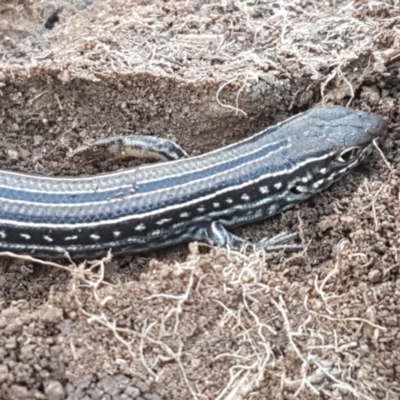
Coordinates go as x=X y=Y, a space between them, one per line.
x=194 y=322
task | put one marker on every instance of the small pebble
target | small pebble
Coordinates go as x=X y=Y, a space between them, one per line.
x=374 y=276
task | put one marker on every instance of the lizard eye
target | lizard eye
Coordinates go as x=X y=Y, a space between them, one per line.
x=348 y=155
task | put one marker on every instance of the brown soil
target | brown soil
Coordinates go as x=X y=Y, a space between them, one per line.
x=204 y=323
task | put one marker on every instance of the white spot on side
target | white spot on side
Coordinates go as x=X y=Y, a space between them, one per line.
x=229 y=200
x=331 y=177
x=25 y=236
x=116 y=233
x=184 y=214
x=245 y=197
x=3 y=235
x=95 y=237
x=201 y=209
x=71 y=237
x=299 y=188
x=318 y=183
x=306 y=178
x=264 y=189
x=48 y=239
x=163 y=221
x=216 y=205
x=155 y=232
x=140 y=227
x=278 y=185
x=322 y=171
x=272 y=209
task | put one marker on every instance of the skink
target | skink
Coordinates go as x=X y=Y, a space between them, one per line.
x=187 y=199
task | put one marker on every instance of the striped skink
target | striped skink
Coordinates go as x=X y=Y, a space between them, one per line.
x=186 y=199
